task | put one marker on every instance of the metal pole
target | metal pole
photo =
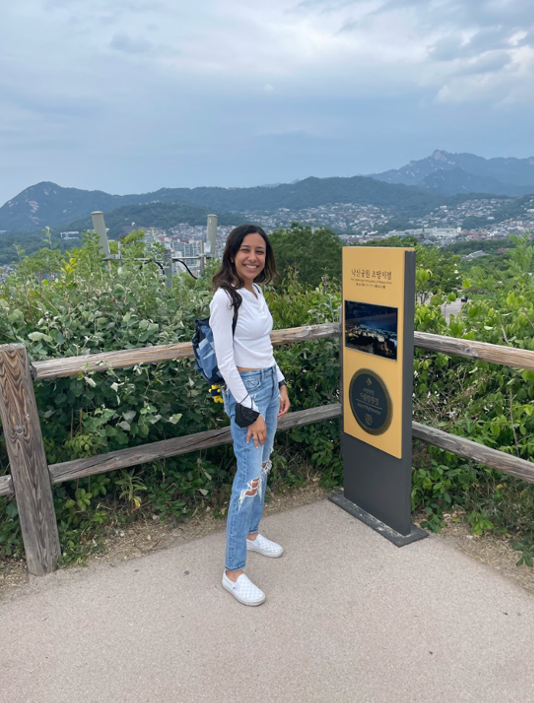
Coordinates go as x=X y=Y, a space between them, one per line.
x=167 y=265
x=211 y=237
x=202 y=259
x=100 y=228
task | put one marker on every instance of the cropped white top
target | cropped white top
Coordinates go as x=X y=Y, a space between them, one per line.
x=250 y=347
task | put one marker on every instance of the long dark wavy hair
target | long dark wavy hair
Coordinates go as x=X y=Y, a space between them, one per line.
x=227 y=276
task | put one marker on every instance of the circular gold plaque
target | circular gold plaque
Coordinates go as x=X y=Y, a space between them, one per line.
x=370 y=402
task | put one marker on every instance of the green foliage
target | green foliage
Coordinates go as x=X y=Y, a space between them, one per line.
x=489 y=246
x=312 y=370
x=313 y=254
x=437 y=269
x=490 y=404
x=88 y=306
x=15 y=246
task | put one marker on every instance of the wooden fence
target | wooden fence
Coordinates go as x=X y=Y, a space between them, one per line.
x=31 y=477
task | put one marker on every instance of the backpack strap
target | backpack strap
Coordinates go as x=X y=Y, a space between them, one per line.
x=234 y=321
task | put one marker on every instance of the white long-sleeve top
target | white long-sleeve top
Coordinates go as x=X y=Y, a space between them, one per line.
x=250 y=347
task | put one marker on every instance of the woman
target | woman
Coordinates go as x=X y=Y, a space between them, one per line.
x=255 y=395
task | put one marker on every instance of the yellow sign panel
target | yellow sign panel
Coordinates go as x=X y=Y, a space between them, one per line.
x=373 y=323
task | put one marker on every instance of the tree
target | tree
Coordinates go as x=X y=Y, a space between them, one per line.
x=437 y=269
x=312 y=253
x=41 y=264
x=444 y=267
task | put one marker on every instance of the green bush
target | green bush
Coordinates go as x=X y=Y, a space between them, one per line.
x=487 y=403
x=70 y=304
x=67 y=305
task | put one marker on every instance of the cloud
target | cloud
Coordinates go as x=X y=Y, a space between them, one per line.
x=491 y=62
x=192 y=86
x=130 y=45
x=490 y=39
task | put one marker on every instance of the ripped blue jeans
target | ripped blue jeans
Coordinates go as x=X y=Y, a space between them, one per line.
x=253 y=464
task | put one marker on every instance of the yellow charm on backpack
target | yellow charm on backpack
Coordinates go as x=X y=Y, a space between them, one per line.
x=215 y=392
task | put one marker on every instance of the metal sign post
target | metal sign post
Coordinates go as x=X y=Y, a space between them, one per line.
x=377 y=380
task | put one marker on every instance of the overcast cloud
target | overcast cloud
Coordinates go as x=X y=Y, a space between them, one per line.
x=133 y=95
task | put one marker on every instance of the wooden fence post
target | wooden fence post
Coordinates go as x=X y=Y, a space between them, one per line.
x=29 y=468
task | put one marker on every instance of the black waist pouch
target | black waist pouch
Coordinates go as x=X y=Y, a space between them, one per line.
x=245 y=416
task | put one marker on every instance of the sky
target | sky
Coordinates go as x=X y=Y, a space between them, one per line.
x=128 y=96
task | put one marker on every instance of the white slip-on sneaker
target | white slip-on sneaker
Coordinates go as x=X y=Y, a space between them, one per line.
x=264 y=546
x=243 y=590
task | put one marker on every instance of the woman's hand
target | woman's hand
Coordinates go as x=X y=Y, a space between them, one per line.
x=258 y=431
x=284 y=401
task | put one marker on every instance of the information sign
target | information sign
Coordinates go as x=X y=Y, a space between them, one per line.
x=377 y=361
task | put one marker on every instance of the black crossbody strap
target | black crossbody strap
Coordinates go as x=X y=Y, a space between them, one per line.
x=234 y=321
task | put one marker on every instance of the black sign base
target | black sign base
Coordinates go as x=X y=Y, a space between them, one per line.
x=415 y=534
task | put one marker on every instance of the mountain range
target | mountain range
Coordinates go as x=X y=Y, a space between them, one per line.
x=412 y=190
x=48 y=204
x=450 y=174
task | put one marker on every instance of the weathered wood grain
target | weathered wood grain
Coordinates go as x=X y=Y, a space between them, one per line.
x=204 y=440
x=493 y=458
x=303 y=334
x=6 y=486
x=29 y=470
x=482 y=351
x=69 y=366
x=123 y=458
x=59 y=368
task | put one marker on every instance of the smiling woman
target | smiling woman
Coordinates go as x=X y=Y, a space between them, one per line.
x=249 y=260
x=255 y=395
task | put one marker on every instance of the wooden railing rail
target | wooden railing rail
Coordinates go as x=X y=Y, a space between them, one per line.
x=6 y=486
x=466 y=448
x=30 y=480
x=476 y=351
x=58 y=368
x=79 y=468
x=482 y=351
x=123 y=458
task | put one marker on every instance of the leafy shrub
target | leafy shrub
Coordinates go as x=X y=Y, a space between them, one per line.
x=487 y=403
x=72 y=304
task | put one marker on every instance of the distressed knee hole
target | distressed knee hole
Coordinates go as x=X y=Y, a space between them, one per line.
x=253 y=487
x=250 y=491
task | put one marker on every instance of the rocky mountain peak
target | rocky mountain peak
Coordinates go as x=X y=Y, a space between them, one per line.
x=438 y=155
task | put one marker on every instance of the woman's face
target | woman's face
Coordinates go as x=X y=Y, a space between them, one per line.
x=250 y=259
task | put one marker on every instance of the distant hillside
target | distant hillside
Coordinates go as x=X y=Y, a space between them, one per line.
x=310 y=192
x=162 y=215
x=458 y=181
x=462 y=173
x=412 y=191
x=29 y=242
x=47 y=204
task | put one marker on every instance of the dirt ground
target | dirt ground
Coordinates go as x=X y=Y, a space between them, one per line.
x=150 y=534
x=494 y=550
